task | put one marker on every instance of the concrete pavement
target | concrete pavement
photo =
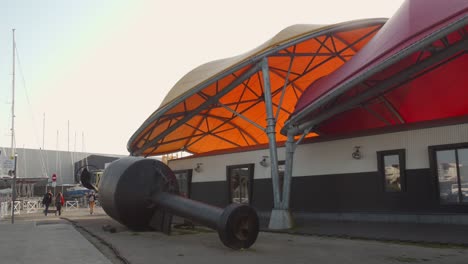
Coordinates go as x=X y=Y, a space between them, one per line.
x=78 y=237
x=29 y=242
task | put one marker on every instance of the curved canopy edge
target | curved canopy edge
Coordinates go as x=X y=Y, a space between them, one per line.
x=205 y=75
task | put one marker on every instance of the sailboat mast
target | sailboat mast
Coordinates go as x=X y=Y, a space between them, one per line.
x=43 y=131
x=13 y=99
x=68 y=136
x=13 y=154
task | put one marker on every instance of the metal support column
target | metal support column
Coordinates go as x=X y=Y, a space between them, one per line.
x=281 y=217
x=270 y=130
x=290 y=148
x=277 y=218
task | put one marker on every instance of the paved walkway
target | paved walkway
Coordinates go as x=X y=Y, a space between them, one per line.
x=29 y=242
x=403 y=232
x=78 y=237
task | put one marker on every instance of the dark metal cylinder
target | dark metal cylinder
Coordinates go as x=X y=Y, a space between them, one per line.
x=126 y=188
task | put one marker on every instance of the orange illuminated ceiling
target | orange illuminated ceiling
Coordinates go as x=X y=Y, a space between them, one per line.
x=220 y=105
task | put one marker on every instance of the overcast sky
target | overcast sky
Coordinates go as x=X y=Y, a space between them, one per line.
x=106 y=65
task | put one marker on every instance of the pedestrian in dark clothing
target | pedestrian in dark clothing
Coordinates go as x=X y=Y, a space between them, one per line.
x=46 y=201
x=59 y=201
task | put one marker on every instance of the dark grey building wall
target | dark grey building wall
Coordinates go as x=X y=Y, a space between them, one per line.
x=341 y=193
x=214 y=193
x=94 y=162
x=362 y=192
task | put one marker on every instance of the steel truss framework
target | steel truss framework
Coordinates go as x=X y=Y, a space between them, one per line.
x=366 y=93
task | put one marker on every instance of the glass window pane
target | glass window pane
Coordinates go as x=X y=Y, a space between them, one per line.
x=182 y=180
x=463 y=168
x=240 y=185
x=447 y=174
x=392 y=173
x=244 y=189
x=235 y=194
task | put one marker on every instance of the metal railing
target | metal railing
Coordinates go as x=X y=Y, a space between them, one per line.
x=71 y=205
x=30 y=206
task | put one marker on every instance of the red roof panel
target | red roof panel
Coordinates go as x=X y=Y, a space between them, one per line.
x=413 y=21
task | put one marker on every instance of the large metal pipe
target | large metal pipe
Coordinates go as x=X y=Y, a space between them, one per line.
x=198 y=212
x=237 y=224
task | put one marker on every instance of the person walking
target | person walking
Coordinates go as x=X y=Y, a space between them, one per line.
x=46 y=201
x=59 y=201
x=91 y=202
